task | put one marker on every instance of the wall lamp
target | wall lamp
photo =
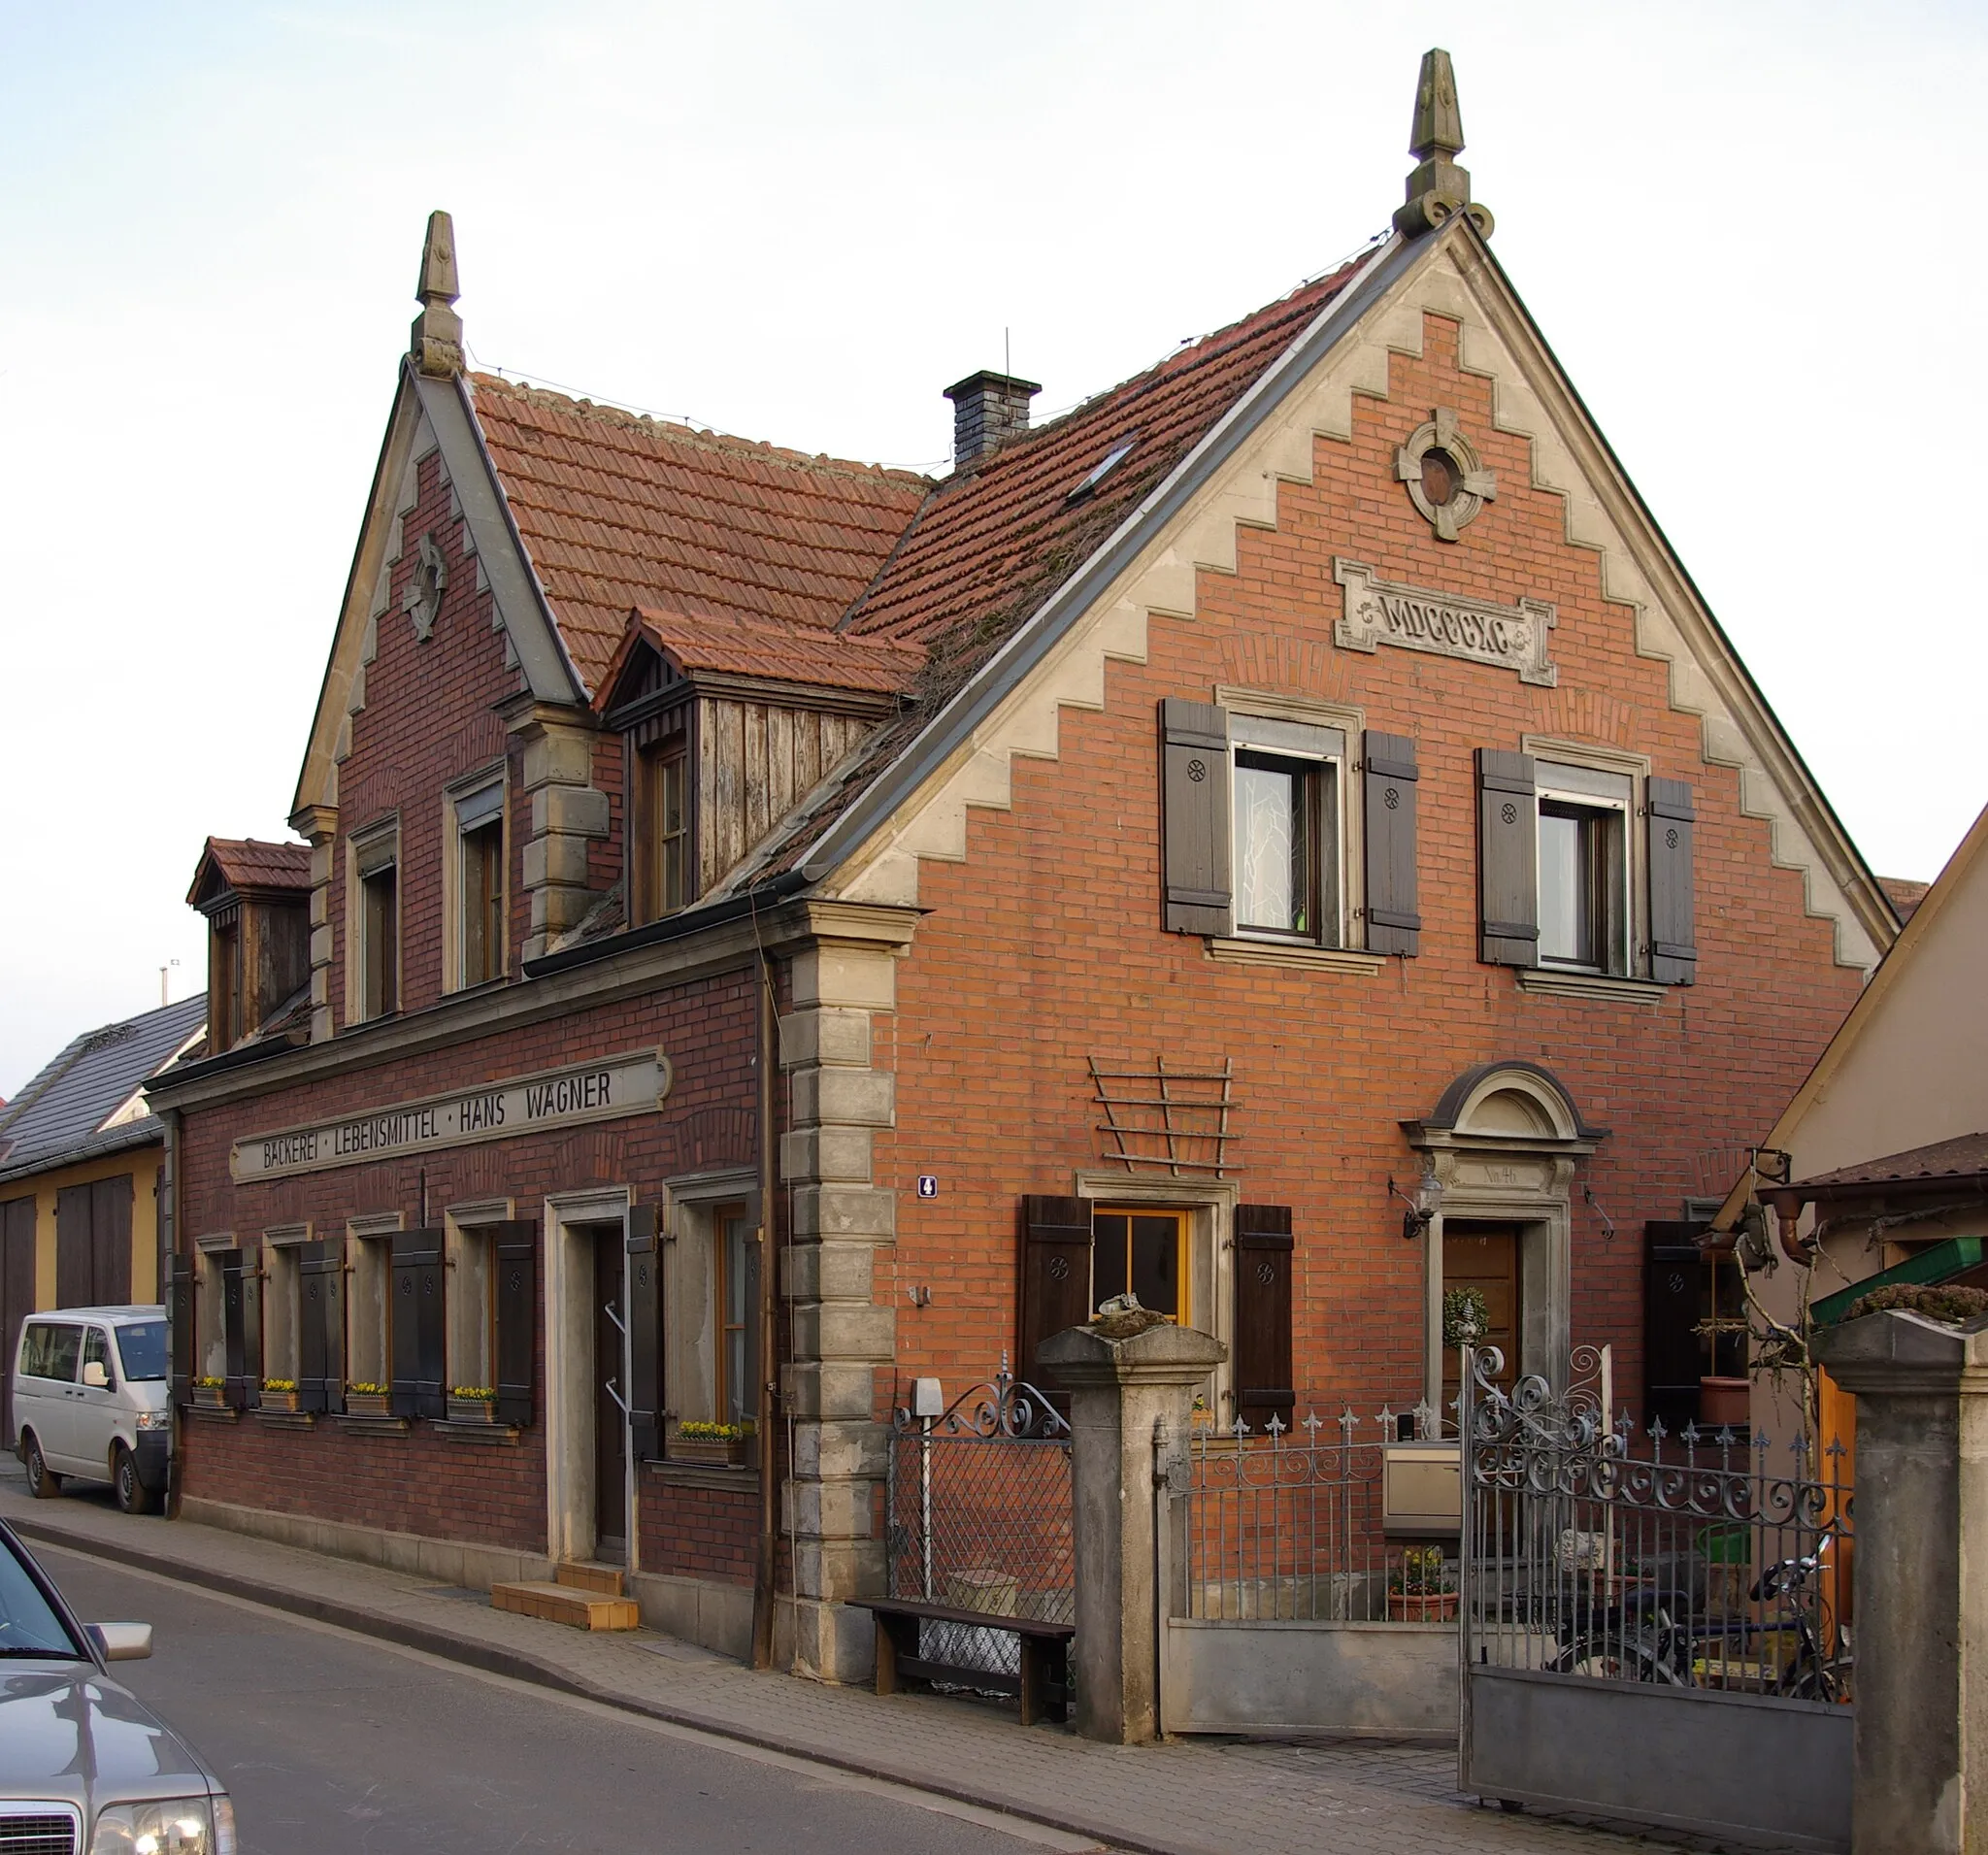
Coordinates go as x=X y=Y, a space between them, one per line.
x=1422 y=1207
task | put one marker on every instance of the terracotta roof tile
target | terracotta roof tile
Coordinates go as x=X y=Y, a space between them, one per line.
x=248 y=863
x=793 y=653
x=618 y=511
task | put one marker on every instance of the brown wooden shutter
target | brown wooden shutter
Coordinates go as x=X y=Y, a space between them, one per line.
x=74 y=1264
x=1507 y=859
x=515 y=1247
x=1393 y=923
x=418 y=1325
x=242 y=1322
x=1261 y=1372
x=1673 y=1356
x=1673 y=945
x=1055 y=1273
x=646 y=1332
x=321 y=1326
x=1194 y=758
x=180 y=1302
x=110 y=1241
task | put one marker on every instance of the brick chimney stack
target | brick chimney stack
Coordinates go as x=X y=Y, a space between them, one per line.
x=986 y=407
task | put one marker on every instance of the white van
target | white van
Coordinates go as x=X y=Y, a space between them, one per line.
x=91 y=1398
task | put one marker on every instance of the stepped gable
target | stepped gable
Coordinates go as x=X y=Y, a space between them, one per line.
x=617 y=511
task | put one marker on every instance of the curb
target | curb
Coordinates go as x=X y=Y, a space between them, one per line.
x=492 y=1660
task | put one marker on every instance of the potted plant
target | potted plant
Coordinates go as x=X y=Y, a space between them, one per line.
x=279 y=1394
x=366 y=1400
x=472 y=1403
x=207 y=1390
x=1419 y=1589
x=717 y=1445
x=1466 y=1318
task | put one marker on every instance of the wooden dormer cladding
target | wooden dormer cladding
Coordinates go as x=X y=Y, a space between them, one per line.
x=256 y=898
x=736 y=749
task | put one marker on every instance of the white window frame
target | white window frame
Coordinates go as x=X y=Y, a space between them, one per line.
x=367 y=852
x=468 y=804
x=282 y=1300
x=1279 y=738
x=1600 y=779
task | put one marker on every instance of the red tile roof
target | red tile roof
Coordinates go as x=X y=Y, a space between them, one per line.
x=792 y=653
x=1963 y=1158
x=618 y=511
x=248 y=863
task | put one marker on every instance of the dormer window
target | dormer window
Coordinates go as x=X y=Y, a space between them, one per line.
x=257 y=899
x=224 y=979
x=663 y=882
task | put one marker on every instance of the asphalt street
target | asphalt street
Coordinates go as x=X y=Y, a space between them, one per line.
x=334 y=1744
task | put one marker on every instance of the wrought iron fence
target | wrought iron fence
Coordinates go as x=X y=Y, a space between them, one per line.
x=980 y=1517
x=1593 y=1547
x=1290 y=1524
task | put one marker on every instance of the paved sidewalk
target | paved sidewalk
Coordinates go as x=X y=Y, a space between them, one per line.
x=1193 y=1797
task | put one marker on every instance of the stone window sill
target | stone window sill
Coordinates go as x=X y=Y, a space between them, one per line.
x=702 y=1475
x=211 y=1413
x=473 y=1430
x=1285 y=953
x=1549 y=981
x=371 y=1426
x=287 y=1419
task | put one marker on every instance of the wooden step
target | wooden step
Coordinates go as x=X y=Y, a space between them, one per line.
x=590 y=1574
x=562 y=1604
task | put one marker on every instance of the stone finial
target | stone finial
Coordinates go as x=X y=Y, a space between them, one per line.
x=436 y=340
x=1438 y=188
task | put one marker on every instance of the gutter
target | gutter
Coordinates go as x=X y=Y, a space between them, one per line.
x=671 y=927
x=1034 y=639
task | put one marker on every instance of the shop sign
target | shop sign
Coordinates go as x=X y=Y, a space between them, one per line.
x=571 y=1097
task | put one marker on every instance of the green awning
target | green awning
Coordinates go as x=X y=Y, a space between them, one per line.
x=1927 y=1270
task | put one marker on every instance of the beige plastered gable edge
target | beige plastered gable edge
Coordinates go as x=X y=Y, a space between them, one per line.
x=1531 y=400
x=429 y=415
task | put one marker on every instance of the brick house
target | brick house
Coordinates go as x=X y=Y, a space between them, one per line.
x=1285 y=838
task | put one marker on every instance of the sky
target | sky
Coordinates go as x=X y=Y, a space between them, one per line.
x=1746 y=228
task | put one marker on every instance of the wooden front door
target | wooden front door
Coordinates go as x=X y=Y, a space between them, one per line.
x=611 y=1429
x=1484 y=1257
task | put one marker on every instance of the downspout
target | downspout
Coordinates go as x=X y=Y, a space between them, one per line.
x=168 y=1246
x=769 y=1289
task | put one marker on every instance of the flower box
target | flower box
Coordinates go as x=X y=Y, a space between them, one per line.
x=209 y=1396
x=714 y=1452
x=275 y=1400
x=1421 y=1606
x=368 y=1404
x=472 y=1409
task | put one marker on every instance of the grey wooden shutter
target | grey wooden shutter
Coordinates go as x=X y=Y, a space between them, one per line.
x=1507 y=859
x=1055 y=1273
x=516 y=1252
x=1393 y=923
x=321 y=1327
x=1673 y=1356
x=646 y=1332
x=242 y=1318
x=1194 y=760
x=1263 y=1375
x=180 y=1310
x=1673 y=945
x=418 y=1325
x=110 y=1241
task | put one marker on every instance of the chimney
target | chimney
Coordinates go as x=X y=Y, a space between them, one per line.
x=986 y=407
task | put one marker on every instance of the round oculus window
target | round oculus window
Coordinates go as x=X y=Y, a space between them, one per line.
x=1442 y=480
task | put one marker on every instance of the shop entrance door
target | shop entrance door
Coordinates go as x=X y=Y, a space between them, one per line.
x=1484 y=1257
x=610 y=1418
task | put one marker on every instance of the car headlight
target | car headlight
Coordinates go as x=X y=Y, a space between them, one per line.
x=153 y=1420
x=168 y=1826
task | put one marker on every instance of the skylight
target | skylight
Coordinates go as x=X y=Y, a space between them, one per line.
x=1112 y=459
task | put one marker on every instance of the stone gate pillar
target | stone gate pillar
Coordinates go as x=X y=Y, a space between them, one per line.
x=1921 y=1593
x=1121 y=1391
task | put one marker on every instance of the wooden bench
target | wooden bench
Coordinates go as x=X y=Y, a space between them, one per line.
x=1043 y=1684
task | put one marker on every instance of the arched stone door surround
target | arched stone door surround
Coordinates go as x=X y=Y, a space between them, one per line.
x=1503 y=1142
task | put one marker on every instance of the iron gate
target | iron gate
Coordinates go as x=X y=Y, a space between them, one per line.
x=1655 y=1627
x=978 y=1499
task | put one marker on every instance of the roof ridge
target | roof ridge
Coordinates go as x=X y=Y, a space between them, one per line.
x=670 y=431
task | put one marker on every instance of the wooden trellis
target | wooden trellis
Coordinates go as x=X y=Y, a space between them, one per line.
x=1173 y=1120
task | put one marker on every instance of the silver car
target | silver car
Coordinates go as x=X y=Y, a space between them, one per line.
x=86 y=1766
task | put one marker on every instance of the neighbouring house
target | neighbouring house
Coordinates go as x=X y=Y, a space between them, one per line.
x=1876 y=1169
x=1285 y=838
x=80 y=1158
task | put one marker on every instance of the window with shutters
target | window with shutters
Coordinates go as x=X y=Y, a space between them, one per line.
x=321 y=1326
x=1142 y=1252
x=1583 y=864
x=241 y=1273
x=471 y=1340
x=1275 y=831
x=369 y=1289
x=209 y=1323
x=282 y=1251
x=417 y=1325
